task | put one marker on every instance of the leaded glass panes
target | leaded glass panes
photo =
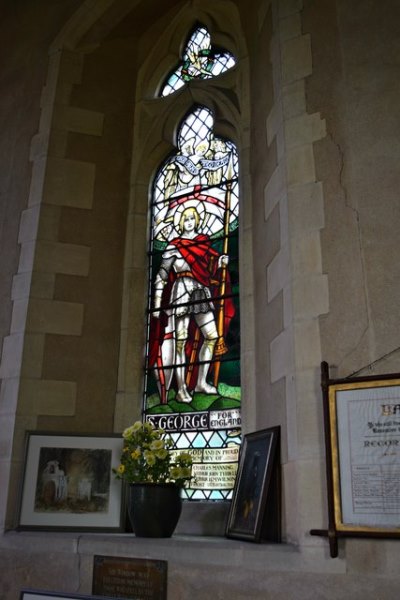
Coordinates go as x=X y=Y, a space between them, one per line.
x=200 y=61
x=193 y=371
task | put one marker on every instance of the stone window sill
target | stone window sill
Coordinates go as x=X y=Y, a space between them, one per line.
x=179 y=550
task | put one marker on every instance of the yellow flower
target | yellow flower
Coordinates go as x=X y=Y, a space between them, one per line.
x=121 y=469
x=136 y=426
x=185 y=457
x=157 y=445
x=135 y=454
x=149 y=457
x=175 y=473
x=147 y=426
x=127 y=432
x=161 y=454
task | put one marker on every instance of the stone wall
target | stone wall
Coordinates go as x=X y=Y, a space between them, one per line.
x=312 y=107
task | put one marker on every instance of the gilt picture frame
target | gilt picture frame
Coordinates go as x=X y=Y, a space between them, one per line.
x=362 y=443
x=364 y=418
x=68 y=483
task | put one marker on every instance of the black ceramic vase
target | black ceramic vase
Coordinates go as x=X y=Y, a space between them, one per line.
x=154 y=509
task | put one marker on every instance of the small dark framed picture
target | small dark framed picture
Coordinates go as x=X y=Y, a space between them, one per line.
x=255 y=509
x=39 y=595
x=68 y=483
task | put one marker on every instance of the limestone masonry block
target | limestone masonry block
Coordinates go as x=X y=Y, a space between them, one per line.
x=304 y=129
x=281 y=355
x=36 y=285
x=296 y=59
x=275 y=189
x=69 y=183
x=51 y=316
x=9 y=395
x=19 y=313
x=306 y=208
x=37 y=181
x=6 y=437
x=29 y=223
x=246 y=257
x=138 y=240
x=294 y=99
x=306 y=254
x=21 y=286
x=274 y=121
x=310 y=297
x=26 y=257
x=278 y=272
x=71 y=64
x=300 y=165
x=287 y=307
x=125 y=413
x=12 y=355
x=309 y=414
x=280 y=143
x=32 y=362
x=49 y=223
x=42 y=285
x=284 y=220
x=290 y=27
x=307 y=344
x=247 y=336
x=39 y=145
x=311 y=503
x=79 y=120
x=51 y=143
x=288 y=7
x=57 y=257
x=46 y=397
x=57 y=143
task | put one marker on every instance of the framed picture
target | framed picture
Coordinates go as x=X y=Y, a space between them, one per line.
x=68 y=483
x=38 y=595
x=362 y=437
x=255 y=509
x=365 y=438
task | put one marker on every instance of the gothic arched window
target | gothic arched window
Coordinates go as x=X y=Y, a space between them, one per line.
x=192 y=386
x=193 y=371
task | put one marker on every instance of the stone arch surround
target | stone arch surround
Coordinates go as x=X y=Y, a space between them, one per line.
x=70 y=273
x=71 y=248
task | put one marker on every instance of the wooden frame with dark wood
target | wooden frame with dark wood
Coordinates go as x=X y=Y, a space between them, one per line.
x=362 y=439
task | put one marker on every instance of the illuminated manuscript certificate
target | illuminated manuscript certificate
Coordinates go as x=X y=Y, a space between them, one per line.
x=366 y=465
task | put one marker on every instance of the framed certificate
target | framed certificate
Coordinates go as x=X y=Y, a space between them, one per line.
x=362 y=434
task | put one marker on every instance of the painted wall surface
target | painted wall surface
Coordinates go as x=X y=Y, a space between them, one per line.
x=313 y=108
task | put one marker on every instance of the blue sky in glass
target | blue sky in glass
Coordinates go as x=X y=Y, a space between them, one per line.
x=200 y=61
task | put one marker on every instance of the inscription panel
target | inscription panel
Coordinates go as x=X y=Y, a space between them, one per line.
x=133 y=578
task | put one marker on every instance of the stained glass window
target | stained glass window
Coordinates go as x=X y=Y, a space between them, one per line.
x=193 y=371
x=200 y=61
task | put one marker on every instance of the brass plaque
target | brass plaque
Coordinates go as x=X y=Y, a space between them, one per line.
x=133 y=578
